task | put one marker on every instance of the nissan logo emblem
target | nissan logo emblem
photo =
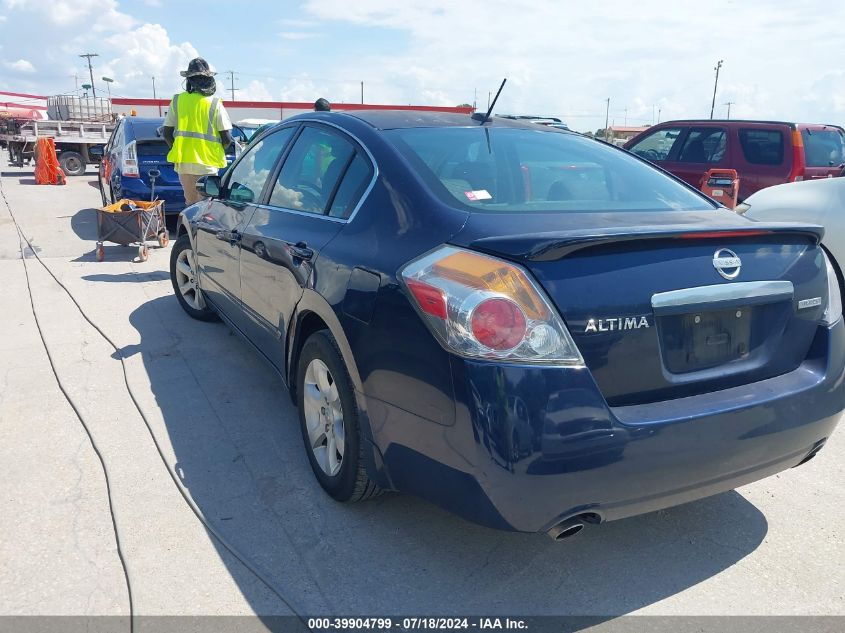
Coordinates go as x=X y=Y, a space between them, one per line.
x=726 y=263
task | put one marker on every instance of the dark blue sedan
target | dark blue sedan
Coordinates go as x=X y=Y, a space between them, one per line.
x=530 y=328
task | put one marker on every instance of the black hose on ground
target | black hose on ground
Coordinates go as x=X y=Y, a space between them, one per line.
x=253 y=567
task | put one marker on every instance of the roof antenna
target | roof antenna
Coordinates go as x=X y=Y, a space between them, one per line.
x=486 y=117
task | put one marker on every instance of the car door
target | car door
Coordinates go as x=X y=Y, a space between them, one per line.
x=704 y=148
x=219 y=227
x=315 y=191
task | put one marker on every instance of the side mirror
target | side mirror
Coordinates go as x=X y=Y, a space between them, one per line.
x=209 y=186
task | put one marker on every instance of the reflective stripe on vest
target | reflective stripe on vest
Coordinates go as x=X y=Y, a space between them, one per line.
x=190 y=145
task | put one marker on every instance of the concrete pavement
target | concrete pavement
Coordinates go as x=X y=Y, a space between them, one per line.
x=226 y=424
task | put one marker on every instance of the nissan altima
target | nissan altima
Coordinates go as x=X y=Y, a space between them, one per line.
x=532 y=329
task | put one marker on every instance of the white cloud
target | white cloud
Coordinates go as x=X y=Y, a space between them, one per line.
x=255 y=91
x=143 y=53
x=98 y=15
x=20 y=66
x=568 y=59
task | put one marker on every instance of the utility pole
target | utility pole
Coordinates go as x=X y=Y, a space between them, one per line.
x=659 y=110
x=475 y=98
x=626 y=116
x=606 y=118
x=88 y=56
x=715 y=86
x=362 y=93
x=76 y=82
x=729 y=104
x=154 y=95
x=232 y=83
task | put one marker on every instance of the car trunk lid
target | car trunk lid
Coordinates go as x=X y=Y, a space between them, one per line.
x=671 y=304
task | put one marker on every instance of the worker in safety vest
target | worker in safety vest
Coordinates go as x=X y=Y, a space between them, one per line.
x=197 y=128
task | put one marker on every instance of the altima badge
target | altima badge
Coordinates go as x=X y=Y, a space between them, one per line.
x=616 y=324
x=726 y=263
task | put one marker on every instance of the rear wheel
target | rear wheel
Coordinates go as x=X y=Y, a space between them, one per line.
x=72 y=163
x=328 y=418
x=183 y=276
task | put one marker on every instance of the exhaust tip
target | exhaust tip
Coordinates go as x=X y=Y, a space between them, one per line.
x=565 y=529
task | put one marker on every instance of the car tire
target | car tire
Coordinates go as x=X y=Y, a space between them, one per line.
x=328 y=418
x=72 y=163
x=183 y=276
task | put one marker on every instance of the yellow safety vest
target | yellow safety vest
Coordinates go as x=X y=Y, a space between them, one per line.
x=195 y=140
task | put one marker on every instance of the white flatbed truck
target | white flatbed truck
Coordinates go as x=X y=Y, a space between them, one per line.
x=76 y=125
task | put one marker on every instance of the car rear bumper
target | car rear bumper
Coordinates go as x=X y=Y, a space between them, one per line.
x=532 y=446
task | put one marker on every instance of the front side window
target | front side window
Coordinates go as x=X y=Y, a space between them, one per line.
x=704 y=145
x=762 y=147
x=312 y=170
x=248 y=176
x=509 y=170
x=824 y=148
x=658 y=145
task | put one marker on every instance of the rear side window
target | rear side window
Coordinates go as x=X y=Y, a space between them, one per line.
x=823 y=148
x=355 y=181
x=506 y=170
x=704 y=145
x=658 y=145
x=312 y=170
x=762 y=147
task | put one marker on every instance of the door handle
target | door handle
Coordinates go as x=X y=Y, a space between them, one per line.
x=300 y=250
x=233 y=237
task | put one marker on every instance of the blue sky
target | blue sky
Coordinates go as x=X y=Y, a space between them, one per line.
x=651 y=57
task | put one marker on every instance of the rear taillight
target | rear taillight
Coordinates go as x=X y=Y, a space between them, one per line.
x=833 y=309
x=799 y=164
x=129 y=160
x=483 y=307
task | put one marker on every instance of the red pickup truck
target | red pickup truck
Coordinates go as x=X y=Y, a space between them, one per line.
x=764 y=153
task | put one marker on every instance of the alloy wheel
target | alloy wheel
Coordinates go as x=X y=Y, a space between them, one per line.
x=187 y=280
x=324 y=417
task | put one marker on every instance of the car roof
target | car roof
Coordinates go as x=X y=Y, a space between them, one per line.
x=397 y=119
x=723 y=121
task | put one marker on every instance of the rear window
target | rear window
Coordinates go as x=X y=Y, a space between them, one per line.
x=762 y=147
x=152 y=148
x=823 y=148
x=531 y=171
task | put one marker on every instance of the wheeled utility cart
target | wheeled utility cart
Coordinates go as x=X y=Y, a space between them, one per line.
x=131 y=223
